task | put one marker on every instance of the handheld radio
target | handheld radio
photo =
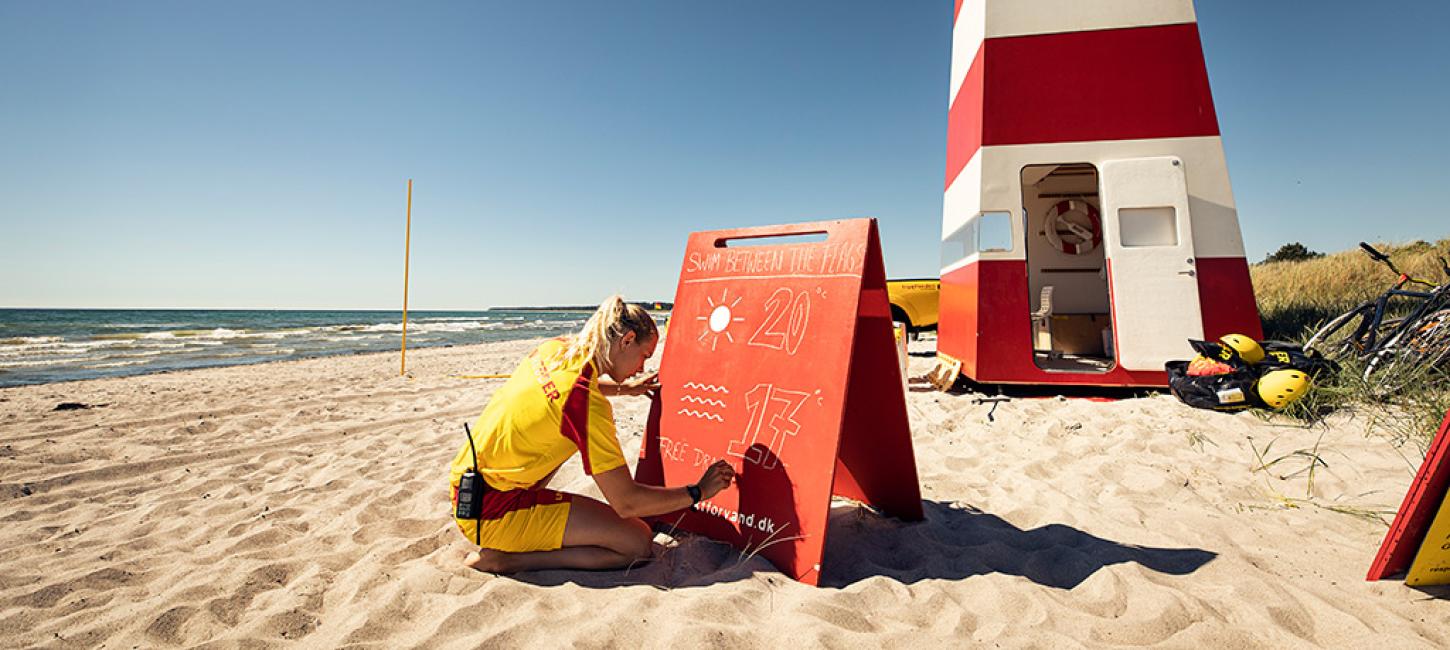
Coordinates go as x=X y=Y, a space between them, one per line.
x=470 y=491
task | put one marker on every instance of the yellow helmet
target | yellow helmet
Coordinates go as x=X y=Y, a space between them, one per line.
x=1280 y=387
x=1249 y=350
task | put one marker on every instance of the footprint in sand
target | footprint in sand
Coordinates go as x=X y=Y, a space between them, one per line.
x=419 y=548
x=265 y=540
x=100 y=580
x=291 y=625
x=170 y=626
x=228 y=609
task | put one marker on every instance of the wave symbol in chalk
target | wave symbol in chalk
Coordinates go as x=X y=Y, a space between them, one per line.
x=703 y=400
x=701 y=415
x=711 y=388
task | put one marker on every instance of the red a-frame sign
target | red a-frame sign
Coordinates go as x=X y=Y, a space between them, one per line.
x=780 y=359
x=1426 y=493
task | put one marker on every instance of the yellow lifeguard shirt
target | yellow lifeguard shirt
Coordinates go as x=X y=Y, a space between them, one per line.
x=538 y=419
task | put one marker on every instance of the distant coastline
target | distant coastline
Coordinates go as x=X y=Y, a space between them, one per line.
x=42 y=346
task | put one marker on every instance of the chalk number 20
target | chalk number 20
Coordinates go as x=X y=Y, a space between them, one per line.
x=770 y=334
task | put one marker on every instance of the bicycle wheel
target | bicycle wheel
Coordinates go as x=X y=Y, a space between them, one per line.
x=1412 y=355
x=1336 y=340
x=1431 y=342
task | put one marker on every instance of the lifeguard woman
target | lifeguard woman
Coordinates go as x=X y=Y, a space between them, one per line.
x=552 y=406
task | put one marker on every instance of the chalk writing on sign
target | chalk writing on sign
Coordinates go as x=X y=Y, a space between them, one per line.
x=772 y=412
x=827 y=259
x=718 y=318
x=704 y=401
x=681 y=451
x=786 y=316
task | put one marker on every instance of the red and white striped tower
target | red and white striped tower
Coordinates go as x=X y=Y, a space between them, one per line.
x=1107 y=103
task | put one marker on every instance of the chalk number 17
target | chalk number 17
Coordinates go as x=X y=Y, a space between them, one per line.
x=773 y=411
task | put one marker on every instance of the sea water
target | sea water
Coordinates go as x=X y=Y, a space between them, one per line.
x=47 y=345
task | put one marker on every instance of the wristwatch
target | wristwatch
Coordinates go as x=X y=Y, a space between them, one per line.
x=694 y=491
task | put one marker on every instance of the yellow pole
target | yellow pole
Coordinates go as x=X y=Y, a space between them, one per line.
x=407 y=245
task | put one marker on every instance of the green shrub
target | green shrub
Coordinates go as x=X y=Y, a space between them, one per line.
x=1294 y=252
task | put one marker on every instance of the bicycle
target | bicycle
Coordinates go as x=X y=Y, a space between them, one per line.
x=1420 y=339
x=1424 y=345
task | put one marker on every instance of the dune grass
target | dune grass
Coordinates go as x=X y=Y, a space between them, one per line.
x=1295 y=298
x=1408 y=416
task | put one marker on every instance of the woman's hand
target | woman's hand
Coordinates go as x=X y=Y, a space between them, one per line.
x=641 y=385
x=716 y=478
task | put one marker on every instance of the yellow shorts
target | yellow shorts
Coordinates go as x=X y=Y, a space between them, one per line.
x=517 y=521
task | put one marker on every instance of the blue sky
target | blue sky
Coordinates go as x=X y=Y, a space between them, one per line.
x=254 y=155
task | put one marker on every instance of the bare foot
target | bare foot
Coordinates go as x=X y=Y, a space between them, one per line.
x=486 y=560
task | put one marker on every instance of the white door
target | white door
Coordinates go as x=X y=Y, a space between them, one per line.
x=1152 y=272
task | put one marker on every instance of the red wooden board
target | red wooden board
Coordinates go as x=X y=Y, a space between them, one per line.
x=1422 y=500
x=780 y=359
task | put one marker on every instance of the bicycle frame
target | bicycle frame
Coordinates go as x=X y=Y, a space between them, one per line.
x=1368 y=330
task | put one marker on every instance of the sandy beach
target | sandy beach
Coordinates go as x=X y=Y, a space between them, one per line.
x=304 y=504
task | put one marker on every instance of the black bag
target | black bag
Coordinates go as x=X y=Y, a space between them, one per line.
x=1233 y=391
x=1236 y=390
x=1279 y=355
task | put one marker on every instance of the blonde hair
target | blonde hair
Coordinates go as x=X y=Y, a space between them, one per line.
x=607 y=326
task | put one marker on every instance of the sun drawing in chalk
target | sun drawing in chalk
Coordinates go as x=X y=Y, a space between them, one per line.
x=719 y=319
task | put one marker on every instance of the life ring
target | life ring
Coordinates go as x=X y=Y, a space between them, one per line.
x=1069 y=235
